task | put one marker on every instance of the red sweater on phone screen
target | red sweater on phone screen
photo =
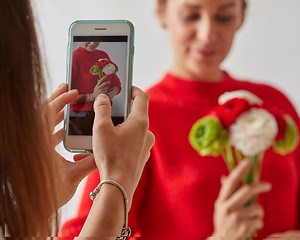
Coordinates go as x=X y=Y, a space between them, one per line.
x=83 y=80
x=176 y=195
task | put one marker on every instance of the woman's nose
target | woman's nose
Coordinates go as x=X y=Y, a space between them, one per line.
x=206 y=31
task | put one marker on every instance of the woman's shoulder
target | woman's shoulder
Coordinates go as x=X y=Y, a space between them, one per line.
x=159 y=88
x=269 y=93
x=260 y=88
x=168 y=83
x=101 y=54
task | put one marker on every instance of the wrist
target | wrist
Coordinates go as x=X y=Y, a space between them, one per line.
x=109 y=210
x=123 y=181
x=90 y=97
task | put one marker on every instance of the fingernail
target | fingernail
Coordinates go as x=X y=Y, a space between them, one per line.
x=246 y=162
x=268 y=186
x=62 y=84
x=102 y=96
x=73 y=90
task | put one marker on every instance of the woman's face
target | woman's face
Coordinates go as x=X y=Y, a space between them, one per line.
x=90 y=46
x=201 y=34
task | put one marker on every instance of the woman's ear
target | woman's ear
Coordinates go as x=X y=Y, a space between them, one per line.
x=160 y=12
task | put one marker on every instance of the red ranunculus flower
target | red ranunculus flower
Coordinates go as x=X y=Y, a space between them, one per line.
x=103 y=62
x=97 y=64
x=230 y=110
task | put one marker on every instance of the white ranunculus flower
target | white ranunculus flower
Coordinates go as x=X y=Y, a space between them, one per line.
x=253 y=131
x=101 y=59
x=109 y=68
x=250 y=97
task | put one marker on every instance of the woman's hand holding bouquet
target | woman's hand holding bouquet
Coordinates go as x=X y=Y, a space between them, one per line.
x=242 y=127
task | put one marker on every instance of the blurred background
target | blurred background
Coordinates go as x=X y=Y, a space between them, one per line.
x=266 y=49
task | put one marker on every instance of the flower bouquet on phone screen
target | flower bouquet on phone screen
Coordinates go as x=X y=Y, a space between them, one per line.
x=106 y=70
x=104 y=67
x=242 y=126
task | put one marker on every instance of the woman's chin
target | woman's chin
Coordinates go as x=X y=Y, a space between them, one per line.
x=206 y=71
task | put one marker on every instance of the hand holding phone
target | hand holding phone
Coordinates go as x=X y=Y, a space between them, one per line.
x=71 y=172
x=100 y=55
x=123 y=151
x=120 y=154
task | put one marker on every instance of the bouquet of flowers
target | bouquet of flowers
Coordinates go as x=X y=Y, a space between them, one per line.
x=242 y=126
x=104 y=67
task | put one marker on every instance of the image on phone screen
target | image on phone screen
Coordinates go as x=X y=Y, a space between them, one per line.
x=99 y=66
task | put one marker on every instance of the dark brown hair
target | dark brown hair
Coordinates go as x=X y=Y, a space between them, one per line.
x=28 y=171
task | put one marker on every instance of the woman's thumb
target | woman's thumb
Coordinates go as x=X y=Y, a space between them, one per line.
x=102 y=108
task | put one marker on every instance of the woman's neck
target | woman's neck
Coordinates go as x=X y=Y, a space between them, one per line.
x=203 y=75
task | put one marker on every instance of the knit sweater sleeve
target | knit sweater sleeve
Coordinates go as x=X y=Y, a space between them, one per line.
x=298 y=169
x=298 y=165
x=286 y=104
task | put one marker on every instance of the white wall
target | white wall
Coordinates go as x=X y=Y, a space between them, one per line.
x=267 y=48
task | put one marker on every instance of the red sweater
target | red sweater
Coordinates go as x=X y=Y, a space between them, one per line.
x=176 y=194
x=83 y=80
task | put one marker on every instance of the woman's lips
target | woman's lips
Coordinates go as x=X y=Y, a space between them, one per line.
x=204 y=53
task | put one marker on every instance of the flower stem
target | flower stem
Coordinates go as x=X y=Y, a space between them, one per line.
x=238 y=155
x=248 y=178
x=257 y=171
x=253 y=174
x=229 y=157
x=224 y=155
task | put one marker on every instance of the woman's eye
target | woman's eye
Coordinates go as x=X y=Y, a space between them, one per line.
x=224 y=19
x=189 y=16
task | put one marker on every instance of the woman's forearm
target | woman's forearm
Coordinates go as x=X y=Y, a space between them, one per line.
x=83 y=98
x=106 y=217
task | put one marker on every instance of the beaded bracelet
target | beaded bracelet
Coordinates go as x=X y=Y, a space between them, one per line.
x=126 y=230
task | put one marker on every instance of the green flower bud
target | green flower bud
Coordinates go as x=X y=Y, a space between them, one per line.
x=208 y=137
x=95 y=70
x=290 y=140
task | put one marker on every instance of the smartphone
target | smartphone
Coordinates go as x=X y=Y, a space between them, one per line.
x=99 y=60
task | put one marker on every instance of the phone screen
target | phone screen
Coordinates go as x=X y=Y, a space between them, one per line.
x=99 y=65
